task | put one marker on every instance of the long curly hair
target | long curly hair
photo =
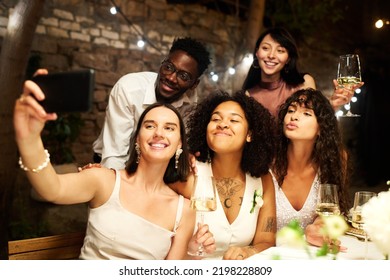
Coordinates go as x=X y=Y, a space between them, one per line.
x=257 y=154
x=171 y=174
x=289 y=73
x=329 y=154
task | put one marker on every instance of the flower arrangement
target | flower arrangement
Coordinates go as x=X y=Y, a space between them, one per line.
x=376 y=215
x=334 y=226
x=257 y=199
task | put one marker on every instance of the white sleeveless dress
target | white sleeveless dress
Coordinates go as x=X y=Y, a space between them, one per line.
x=243 y=228
x=115 y=233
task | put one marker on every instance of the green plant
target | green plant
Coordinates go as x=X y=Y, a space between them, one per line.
x=58 y=136
x=334 y=226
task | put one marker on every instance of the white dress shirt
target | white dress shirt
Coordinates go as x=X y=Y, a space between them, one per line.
x=128 y=99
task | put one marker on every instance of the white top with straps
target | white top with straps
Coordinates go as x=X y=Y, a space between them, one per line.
x=113 y=232
x=243 y=228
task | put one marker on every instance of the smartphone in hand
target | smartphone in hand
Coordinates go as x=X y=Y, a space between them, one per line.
x=67 y=92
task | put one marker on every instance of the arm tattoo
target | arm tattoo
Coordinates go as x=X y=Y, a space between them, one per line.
x=270 y=225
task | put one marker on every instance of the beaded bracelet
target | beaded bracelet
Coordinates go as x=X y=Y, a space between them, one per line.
x=39 y=168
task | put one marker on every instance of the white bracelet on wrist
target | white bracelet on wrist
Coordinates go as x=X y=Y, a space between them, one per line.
x=40 y=167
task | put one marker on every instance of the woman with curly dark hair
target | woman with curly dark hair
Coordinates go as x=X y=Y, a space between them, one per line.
x=233 y=139
x=309 y=152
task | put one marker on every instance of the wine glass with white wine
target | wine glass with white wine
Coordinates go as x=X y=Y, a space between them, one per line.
x=349 y=74
x=361 y=198
x=327 y=200
x=203 y=199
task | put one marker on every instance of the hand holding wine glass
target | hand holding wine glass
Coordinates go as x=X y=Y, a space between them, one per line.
x=203 y=199
x=357 y=220
x=349 y=76
x=327 y=200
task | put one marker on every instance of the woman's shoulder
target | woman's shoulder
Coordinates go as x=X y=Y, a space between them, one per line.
x=187 y=210
x=309 y=82
x=267 y=181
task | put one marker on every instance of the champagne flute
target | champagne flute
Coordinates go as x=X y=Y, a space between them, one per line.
x=348 y=74
x=327 y=200
x=203 y=199
x=357 y=219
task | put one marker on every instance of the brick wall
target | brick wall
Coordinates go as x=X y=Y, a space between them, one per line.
x=75 y=34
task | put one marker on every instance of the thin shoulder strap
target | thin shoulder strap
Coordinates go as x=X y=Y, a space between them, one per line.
x=179 y=212
x=117 y=180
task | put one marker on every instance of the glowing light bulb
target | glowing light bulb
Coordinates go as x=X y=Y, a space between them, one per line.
x=140 y=43
x=379 y=23
x=214 y=77
x=248 y=59
x=232 y=71
x=113 y=10
x=339 y=113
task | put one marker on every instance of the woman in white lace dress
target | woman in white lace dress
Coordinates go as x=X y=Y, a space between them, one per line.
x=309 y=151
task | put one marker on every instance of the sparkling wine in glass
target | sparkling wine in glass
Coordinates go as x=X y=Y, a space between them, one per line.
x=203 y=199
x=361 y=198
x=348 y=73
x=327 y=200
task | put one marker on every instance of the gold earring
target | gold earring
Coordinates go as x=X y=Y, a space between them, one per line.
x=177 y=156
x=138 y=151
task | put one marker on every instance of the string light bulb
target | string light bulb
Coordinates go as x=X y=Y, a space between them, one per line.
x=214 y=76
x=141 y=43
x=379 y=23
x=248 y=59
x=339 y=113
x=114 y=10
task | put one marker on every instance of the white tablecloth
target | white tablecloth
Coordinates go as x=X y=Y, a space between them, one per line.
x=355 y=251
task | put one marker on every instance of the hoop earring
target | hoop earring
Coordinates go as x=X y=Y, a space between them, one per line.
x=177 y=156
x=138 y=151
x=255 y=63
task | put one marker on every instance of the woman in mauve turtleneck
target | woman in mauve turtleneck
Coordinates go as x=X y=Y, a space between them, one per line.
x=274 y=76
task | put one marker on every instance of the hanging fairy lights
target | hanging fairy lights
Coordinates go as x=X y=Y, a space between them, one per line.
x=380 y=23
x=115 y=9
x=142 y=41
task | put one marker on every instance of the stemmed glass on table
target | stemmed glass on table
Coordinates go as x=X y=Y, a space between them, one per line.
x=357 y=220
x=327 y=200
x=348 y=74
x=203 y=199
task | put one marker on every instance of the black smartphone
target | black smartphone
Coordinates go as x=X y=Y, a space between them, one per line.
x=67 y=92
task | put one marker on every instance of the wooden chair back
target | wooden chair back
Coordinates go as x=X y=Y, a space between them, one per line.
x=57 y=247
